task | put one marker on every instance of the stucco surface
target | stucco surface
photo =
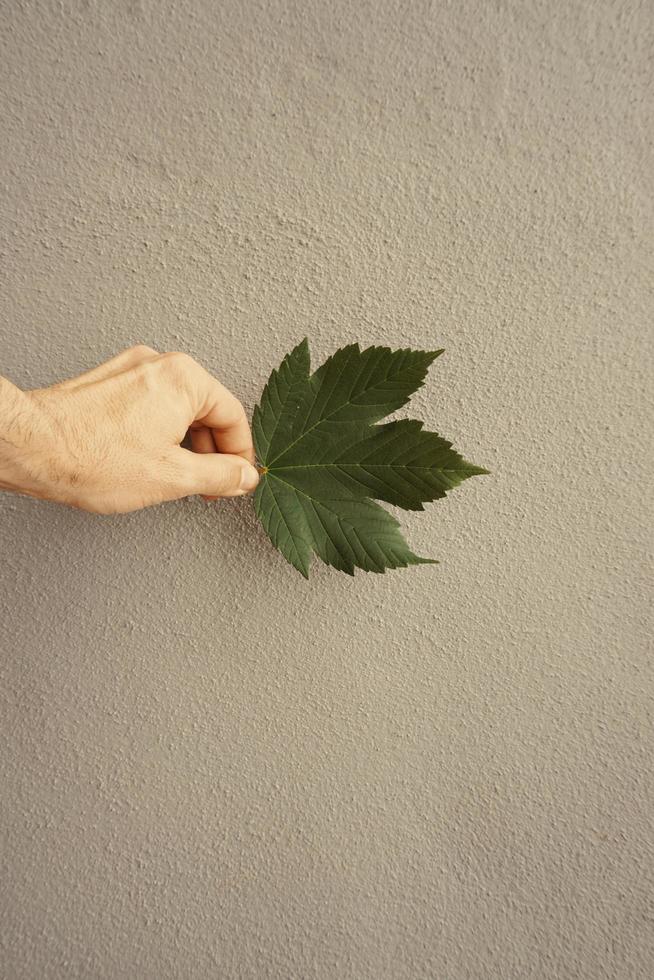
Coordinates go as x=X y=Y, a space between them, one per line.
x=209 y=767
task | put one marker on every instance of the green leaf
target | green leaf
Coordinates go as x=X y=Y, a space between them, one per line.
x=398 y=462
x=352 y=385
x=323 y=459
x=280 y=399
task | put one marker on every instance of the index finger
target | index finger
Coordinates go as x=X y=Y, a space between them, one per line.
x=217 y=409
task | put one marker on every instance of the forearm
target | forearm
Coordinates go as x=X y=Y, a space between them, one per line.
x=14 y=412
x=24 y=457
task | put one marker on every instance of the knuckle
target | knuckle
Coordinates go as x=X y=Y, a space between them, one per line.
x=147 y=374
x=233 y=412
x=177 y=361
x=141 y=350
x=239 y=410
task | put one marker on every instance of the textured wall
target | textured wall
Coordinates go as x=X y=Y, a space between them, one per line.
x=208 y=767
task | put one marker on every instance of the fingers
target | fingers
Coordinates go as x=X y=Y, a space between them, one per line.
x=214 y=407
x=115 y=365
x=202 y=442
x=215 y=474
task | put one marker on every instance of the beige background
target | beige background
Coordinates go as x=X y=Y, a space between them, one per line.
x=210 y=768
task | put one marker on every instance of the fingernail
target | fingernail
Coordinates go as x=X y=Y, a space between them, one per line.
x=249 y=478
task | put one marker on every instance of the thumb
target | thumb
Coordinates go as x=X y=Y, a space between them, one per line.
x=219 y=474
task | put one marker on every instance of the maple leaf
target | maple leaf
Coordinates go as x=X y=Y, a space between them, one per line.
x=324 y=462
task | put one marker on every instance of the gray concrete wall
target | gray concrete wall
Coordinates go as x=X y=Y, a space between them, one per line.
x=210 y=768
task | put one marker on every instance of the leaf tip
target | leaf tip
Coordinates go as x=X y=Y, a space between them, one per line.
x=301 y=350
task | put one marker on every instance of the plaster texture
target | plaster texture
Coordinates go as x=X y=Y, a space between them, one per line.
x=210 y=768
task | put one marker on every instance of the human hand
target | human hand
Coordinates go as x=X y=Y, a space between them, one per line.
x=109 y=440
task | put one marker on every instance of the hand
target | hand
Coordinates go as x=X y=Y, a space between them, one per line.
x=109 y=440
